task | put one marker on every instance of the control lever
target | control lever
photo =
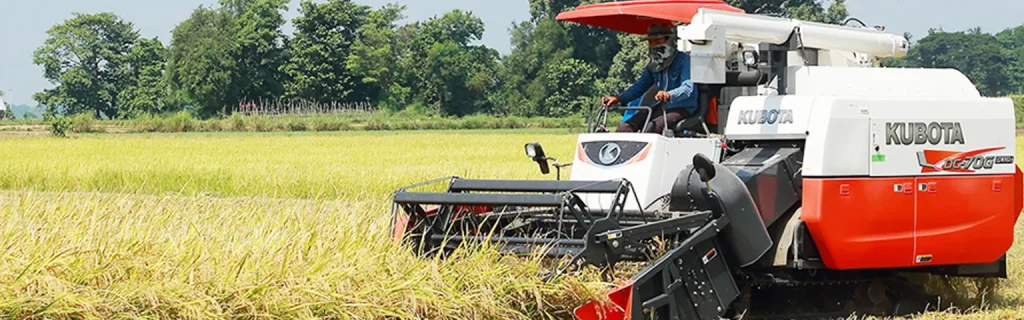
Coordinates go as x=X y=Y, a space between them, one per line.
x=689 y=133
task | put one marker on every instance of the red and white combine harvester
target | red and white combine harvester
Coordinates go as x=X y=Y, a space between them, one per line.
x=827 y=181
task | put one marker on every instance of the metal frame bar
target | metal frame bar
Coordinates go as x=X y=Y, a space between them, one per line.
x=463 y=185
x=469 y=199
x=653 y=229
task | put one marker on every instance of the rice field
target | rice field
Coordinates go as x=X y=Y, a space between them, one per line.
x=253 y=226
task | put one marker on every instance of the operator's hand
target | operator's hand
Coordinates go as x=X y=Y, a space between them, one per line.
x=608 y=101
x=663 y=96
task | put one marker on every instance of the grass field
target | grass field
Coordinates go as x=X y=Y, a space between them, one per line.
x=213 y=226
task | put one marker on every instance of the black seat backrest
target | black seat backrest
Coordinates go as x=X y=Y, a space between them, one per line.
x=705 y=94
x=695 y=122
x=648 y=99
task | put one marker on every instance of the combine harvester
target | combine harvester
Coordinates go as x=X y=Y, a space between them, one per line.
x=829 y=182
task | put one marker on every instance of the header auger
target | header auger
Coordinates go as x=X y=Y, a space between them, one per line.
x=809 y=196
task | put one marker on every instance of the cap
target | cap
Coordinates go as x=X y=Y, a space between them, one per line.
x=660 y=30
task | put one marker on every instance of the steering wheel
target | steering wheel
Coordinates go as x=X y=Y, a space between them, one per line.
x=602 y=118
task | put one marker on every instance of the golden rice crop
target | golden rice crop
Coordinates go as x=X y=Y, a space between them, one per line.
x=214 y=226
x=300 y=165
x=93 y=255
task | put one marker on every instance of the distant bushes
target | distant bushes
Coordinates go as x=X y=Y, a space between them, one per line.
x=1018 y=106
x=381 y=121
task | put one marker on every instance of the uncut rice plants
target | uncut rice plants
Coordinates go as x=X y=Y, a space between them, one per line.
x=285 y=225
x=307 y=166
x=93 y=255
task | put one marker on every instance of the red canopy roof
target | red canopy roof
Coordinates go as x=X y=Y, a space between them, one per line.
x=636 y=16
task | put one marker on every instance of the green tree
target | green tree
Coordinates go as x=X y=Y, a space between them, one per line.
x=220 y=57
x=627 y=66
x=147 y=88
x=201 y=62
x=377 y=54
x=810 y=10
x=596 y=46
x=88 y=58
x=1012 y=41
x=318 y=67
x=978 y=55
x=523 y=85
x=446 y=73
x=572 y=87
x=836 y=13
x=261 y=50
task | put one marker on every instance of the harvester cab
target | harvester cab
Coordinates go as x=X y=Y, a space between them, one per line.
x=825 y=180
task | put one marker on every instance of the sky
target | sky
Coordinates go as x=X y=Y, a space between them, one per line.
x=23 y=23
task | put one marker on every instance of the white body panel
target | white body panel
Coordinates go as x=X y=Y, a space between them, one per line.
x=708 y=61
x=883 y=122
x=744 y=27
x=711 y=35
x=879 y=83
x=739 y=27
x=880 y=137
x=838 y=139
x=907 y=133
x=652 y=175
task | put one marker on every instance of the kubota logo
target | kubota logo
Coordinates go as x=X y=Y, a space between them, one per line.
x=908 y=133
x=770 y=117
x=963 y=162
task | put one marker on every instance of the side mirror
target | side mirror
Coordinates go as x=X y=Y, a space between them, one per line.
x=750 y=58
x=705 y=167
x=536 y=152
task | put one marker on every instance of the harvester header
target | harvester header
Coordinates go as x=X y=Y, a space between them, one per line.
x=825 y=179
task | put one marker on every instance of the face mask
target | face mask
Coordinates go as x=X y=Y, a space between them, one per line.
x=661 y=56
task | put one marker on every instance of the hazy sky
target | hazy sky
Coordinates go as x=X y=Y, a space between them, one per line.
x=23 y=23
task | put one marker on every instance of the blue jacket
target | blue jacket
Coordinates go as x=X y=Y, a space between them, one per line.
x=675 y=79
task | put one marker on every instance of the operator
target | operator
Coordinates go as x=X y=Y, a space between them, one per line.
x=669 y=69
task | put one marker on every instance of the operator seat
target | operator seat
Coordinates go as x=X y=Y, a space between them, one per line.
x=696 y=122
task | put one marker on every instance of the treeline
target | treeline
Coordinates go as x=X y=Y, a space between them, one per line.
x=994 y=62
x=235 y=55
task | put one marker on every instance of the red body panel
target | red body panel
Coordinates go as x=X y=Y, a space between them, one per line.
x=964 y=220
x=861 y=223
x=1018 y=183
x=867 y=223
x=622 y=301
